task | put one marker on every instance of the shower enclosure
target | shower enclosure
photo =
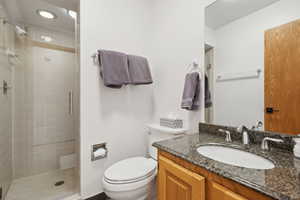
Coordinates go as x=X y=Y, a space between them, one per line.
x=38 y=114
x=5 y=111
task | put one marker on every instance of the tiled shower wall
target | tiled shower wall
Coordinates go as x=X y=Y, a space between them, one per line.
x=43 y=133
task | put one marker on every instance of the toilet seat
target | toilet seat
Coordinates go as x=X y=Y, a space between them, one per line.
x=130 y=170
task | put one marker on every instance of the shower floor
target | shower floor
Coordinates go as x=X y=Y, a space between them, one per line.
x=42 y=186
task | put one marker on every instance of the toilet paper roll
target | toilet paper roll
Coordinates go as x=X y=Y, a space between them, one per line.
x=99 y=153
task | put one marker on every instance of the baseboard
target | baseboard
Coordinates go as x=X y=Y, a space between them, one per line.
x=73 y=197
x=100 y=196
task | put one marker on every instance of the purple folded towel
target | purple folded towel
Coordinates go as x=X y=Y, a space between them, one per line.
x=114 y=68
x=139 y=70
x=191 y=93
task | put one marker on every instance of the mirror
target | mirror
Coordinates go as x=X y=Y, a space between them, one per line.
x=252 y=64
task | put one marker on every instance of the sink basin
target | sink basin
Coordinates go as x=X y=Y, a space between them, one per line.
x=235 y=157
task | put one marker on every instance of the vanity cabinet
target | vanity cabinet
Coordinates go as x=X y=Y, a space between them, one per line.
x=221 y=193
x=177 y=183
x=181 y=180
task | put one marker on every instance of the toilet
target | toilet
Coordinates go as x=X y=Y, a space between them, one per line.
x=135 y=178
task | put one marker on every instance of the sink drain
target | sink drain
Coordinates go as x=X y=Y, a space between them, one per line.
x=59 y=183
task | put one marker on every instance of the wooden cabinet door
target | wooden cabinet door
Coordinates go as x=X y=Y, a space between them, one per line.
x=219 y=192
x=282 y=78
x=178 y=183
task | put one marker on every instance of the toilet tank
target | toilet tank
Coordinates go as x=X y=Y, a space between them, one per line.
x=158 y=133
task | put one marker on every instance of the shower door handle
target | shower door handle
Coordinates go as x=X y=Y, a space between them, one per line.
x=71 y=102
x=5 y=87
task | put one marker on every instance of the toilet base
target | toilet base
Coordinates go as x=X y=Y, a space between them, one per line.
x=142 y=198
x=148 y=192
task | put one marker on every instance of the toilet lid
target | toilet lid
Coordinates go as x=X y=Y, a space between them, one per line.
x=130 y=169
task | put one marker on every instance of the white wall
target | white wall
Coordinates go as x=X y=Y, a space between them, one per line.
x=240 y=47
x=178 y=38
x=115 y=116
x=171 y=34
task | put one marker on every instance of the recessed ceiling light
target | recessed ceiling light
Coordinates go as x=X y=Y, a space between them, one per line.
x=46 y=14
x=46 y=38
x=72 y=13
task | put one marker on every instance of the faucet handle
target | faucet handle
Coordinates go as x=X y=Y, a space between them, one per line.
x=228 y=134
x=265 y=144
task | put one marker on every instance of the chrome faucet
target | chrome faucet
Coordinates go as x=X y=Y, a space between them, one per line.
x=265 y=142
x=228 y=135
x=245 y=135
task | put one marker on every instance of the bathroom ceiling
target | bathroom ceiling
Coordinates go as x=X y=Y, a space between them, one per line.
x=225 y=11
x=24 y=12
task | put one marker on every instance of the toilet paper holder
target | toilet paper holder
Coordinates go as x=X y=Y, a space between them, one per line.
x=96 y=147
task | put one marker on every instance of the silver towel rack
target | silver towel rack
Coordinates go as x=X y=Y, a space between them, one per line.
x=239 y=75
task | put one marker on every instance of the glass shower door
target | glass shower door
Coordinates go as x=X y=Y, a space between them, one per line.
x=5 y=111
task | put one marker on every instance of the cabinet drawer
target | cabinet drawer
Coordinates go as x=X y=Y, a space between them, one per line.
x=221 y=193
x=178 y=183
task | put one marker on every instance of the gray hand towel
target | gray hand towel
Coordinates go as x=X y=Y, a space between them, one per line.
x=191 y=93
x=139 y=70
x=114 y=68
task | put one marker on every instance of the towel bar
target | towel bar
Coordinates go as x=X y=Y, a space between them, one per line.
x=239 y=75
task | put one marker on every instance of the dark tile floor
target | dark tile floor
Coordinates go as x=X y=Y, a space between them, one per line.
x=101 y=196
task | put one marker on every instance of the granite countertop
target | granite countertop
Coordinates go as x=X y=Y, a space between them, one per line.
x=281 y=182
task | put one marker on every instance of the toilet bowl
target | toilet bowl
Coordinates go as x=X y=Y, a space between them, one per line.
x=131 y=179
